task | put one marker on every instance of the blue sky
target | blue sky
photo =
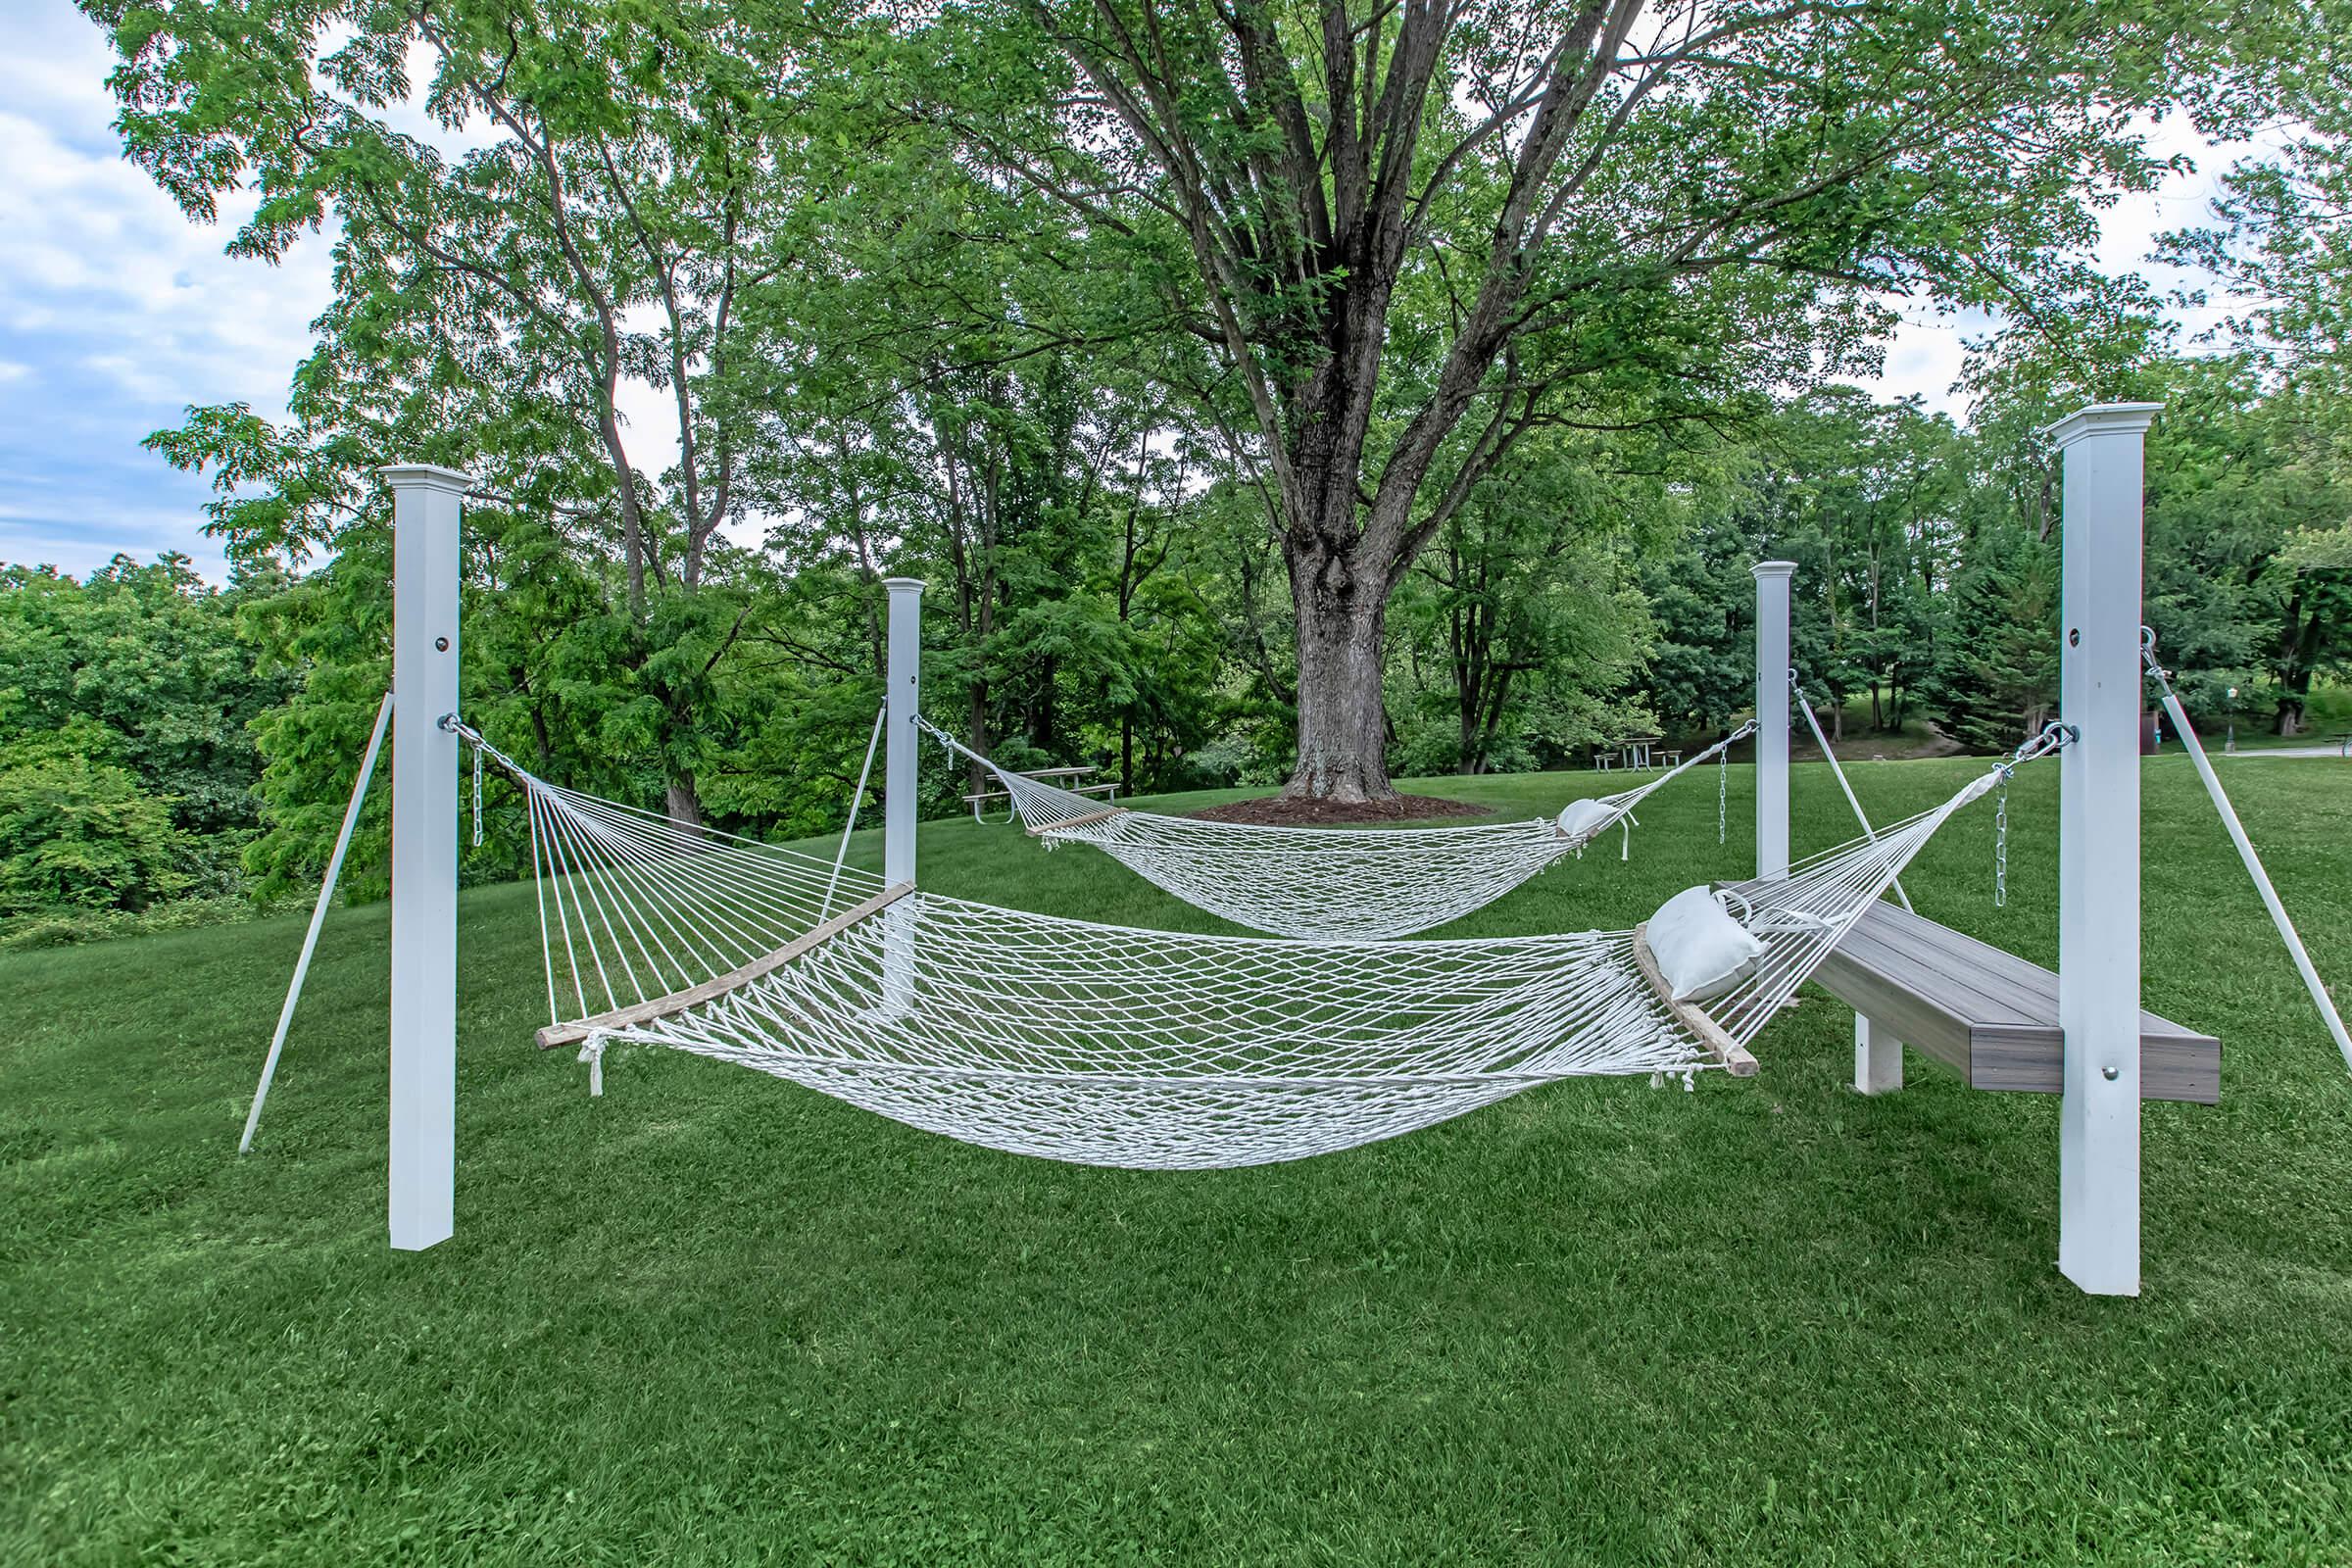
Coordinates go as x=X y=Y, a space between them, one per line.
x=116 y=311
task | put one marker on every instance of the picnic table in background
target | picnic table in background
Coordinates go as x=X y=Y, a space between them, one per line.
x=1069 y=778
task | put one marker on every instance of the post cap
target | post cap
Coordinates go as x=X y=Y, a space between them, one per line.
x=1774 y=569
x=903 y=585
x=426 y=477
x=2102 y=419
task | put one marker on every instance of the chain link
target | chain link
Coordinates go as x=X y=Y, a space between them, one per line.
x=478 y=797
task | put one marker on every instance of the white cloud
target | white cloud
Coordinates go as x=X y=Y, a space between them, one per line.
x=92 y=251
x=116 y=311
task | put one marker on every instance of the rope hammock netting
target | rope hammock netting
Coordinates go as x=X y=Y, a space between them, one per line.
x=1113 y=1046
x=1330 y=883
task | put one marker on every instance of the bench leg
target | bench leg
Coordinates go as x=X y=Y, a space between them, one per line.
x=1877 y=1059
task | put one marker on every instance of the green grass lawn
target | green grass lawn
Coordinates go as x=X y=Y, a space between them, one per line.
x=715 y=1318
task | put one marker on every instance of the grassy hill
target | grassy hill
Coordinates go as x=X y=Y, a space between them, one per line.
x=714 y=1318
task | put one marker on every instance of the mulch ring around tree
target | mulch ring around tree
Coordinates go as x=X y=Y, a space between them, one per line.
x=1276 y=810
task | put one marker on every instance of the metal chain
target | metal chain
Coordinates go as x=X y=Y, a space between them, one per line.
x=2000 y=847
x=2041 y=743
x=478 y=797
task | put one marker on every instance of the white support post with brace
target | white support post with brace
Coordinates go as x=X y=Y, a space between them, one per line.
x=427 y=505
x=902 y=705
x=1772 y=717
x=2103 y=450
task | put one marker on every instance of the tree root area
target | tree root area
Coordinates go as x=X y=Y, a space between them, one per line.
x=1279 y=811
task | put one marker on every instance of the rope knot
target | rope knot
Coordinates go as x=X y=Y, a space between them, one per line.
x=593 y=1054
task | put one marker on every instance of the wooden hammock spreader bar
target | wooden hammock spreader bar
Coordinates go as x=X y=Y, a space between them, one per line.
x=677 y=1002
x=1088 y=820
x=1722 y=1046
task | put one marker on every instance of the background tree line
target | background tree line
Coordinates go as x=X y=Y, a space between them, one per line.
x=1270 y=393
x=162 y=738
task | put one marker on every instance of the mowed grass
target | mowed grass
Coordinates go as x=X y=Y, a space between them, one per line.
x=715 y=1318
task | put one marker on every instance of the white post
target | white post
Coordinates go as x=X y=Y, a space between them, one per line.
x=1772 y=717
x=2099 y=858
x=1877 y=1059
x=425 y=505
x=902 y=701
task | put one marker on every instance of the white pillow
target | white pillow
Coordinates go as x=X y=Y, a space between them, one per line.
x=1580 y=818
x=1700 y=950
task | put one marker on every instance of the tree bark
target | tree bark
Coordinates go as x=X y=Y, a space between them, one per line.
x=1341 y=720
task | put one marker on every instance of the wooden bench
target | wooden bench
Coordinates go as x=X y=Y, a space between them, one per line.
x=1063 y=777
x=1990 y=1013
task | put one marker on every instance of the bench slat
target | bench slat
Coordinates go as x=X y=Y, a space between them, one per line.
x=2009 y=990
x=1991 y=1013
x=1977 y=986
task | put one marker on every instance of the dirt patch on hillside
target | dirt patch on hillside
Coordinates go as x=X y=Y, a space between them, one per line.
x=1876 y=748
x=1275 y=811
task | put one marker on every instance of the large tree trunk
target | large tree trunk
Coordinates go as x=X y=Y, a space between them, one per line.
x=1342 y=722
x=975 y=724
x=2289 y=719
x=2296 y=650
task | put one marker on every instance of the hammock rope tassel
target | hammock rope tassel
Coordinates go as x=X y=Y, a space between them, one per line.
x=593 y=1054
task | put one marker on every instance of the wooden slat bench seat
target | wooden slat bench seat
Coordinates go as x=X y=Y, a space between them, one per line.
x=1990 y=1013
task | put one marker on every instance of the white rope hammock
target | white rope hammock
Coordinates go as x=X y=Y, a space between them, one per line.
x=1333 y=883
x=1110 y=1045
